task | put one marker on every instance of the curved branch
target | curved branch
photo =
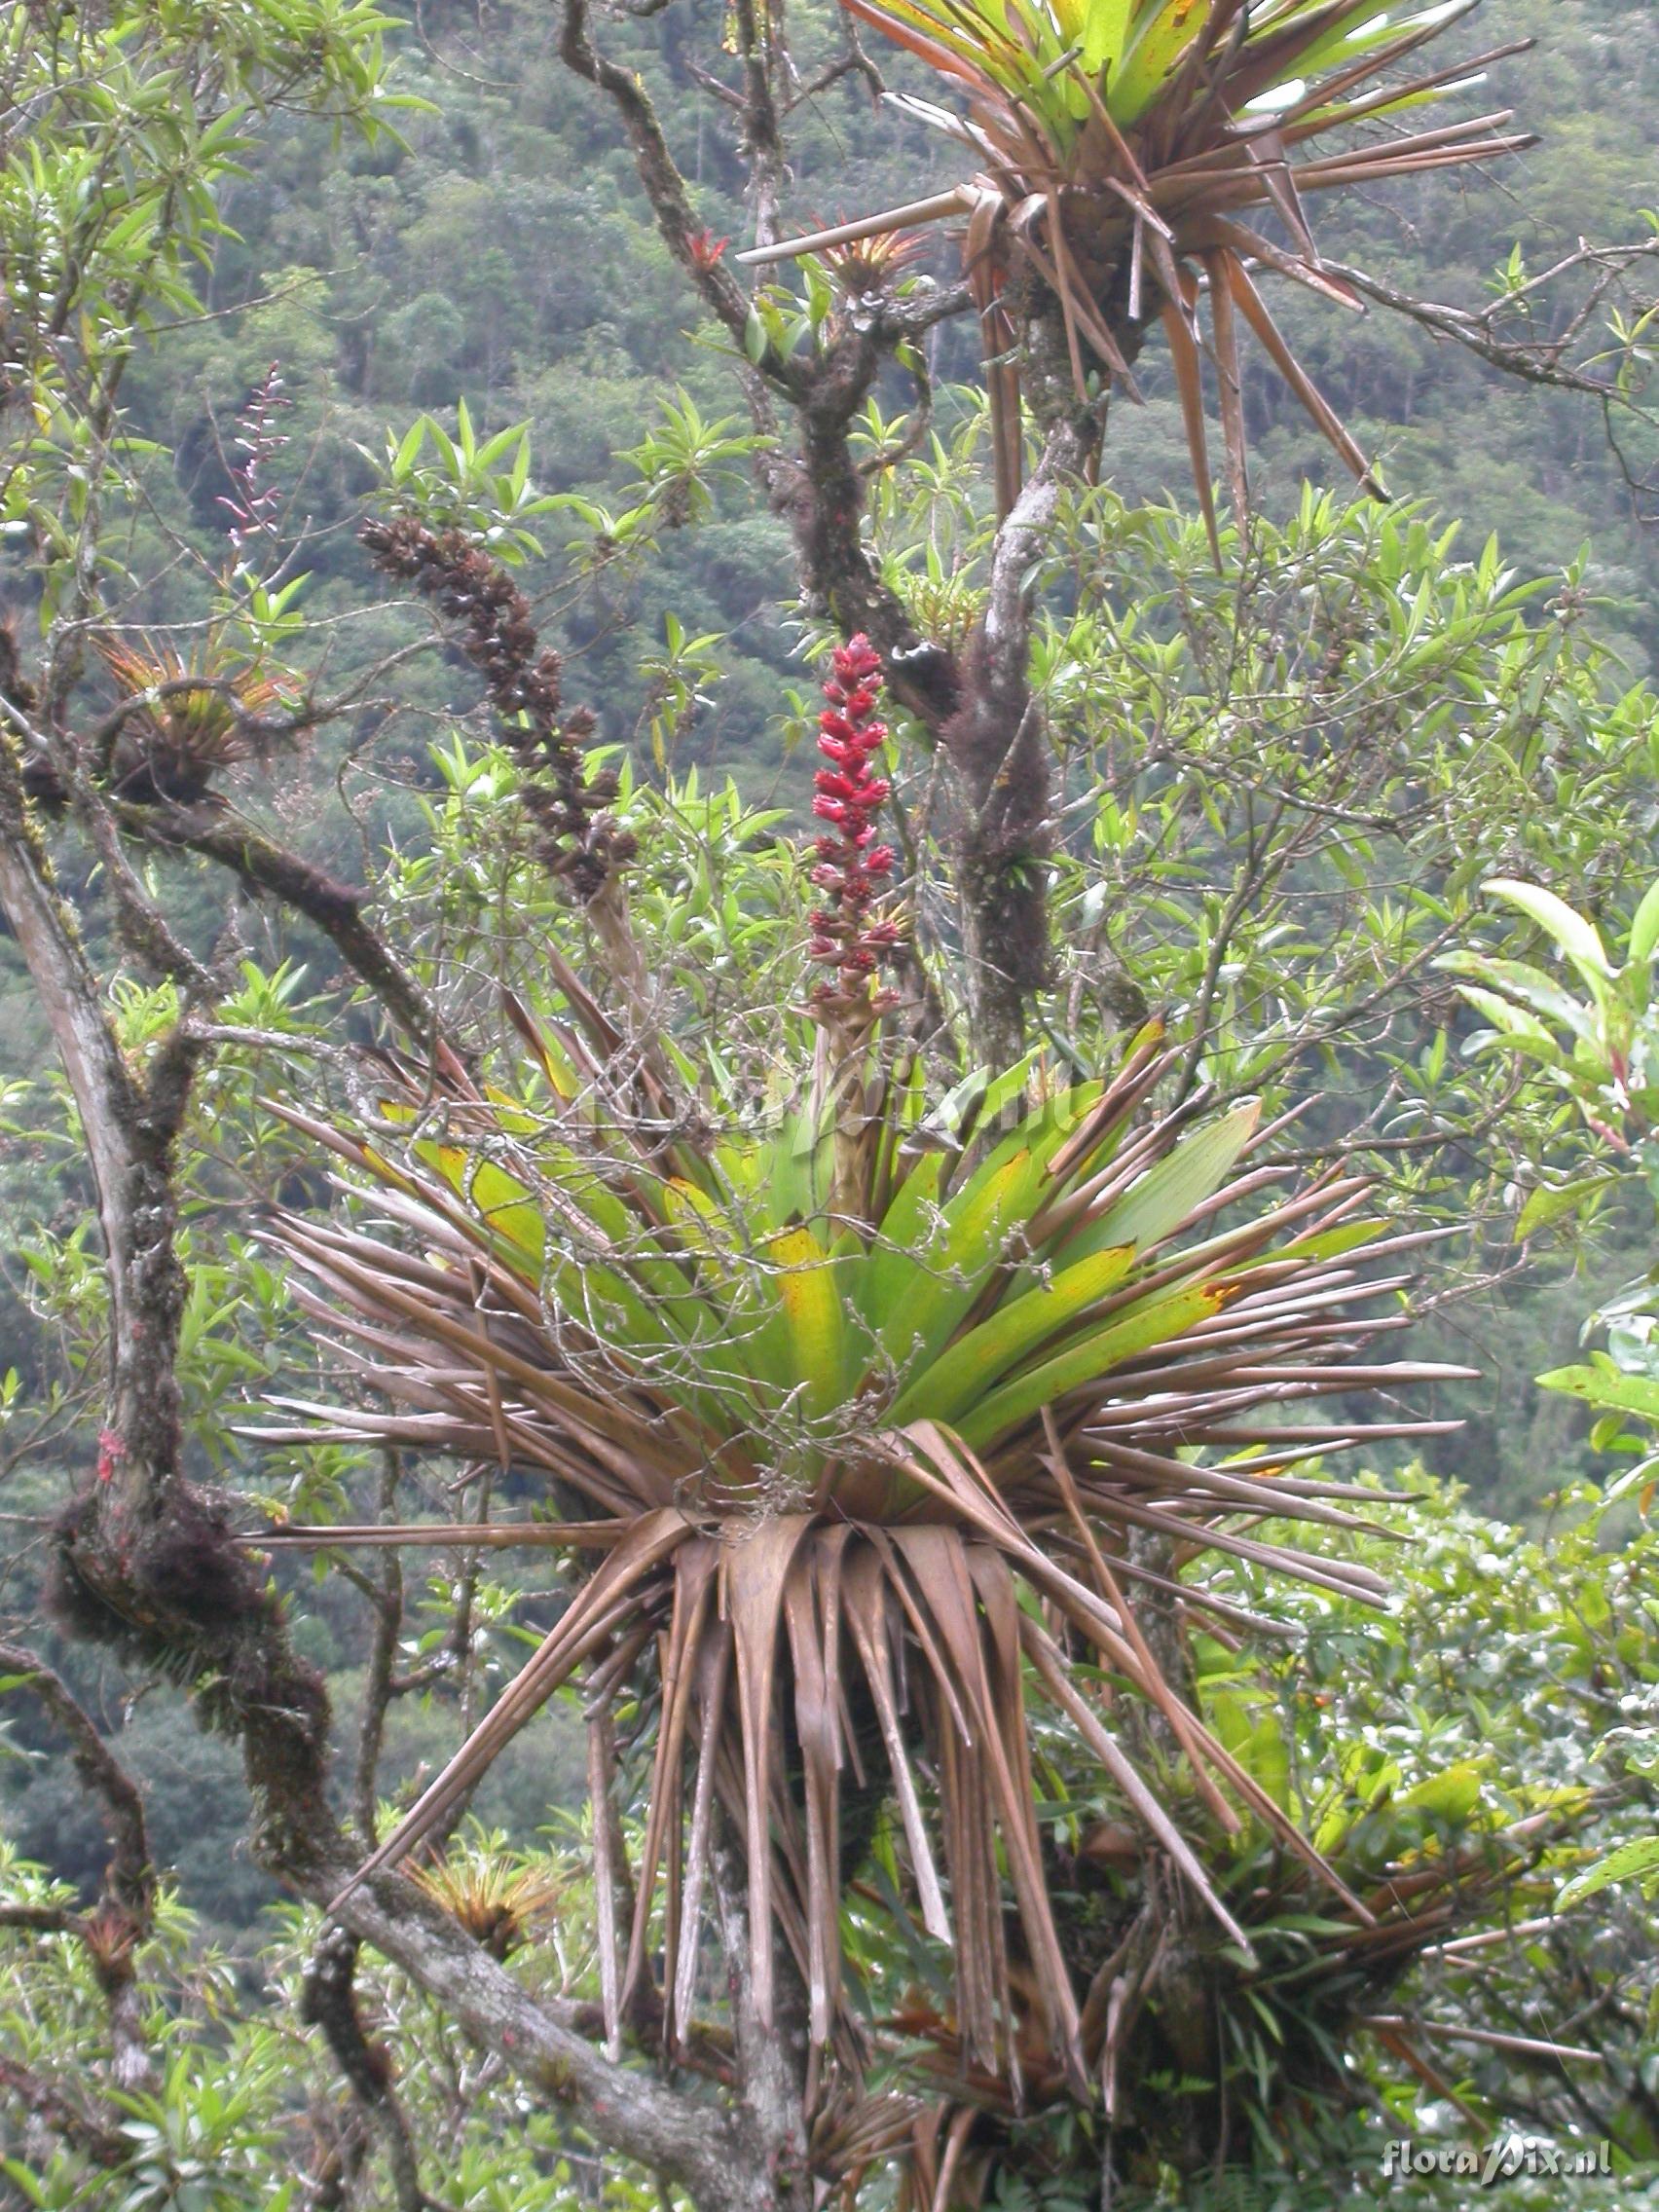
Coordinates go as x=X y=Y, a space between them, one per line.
x=269 y=869
x=104 y=2146
x=328 y=2000
x=130 y=1879
x=126 y=1910
x=1535 y=360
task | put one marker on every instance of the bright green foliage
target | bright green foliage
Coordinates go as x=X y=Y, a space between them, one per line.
x=1287 y=792
x=1635 y=1862
x=1601 y=1054
x=124 y=129
x=1060 y=60
x=791 y=1331
x=244 y=2111
x=1602 y=1050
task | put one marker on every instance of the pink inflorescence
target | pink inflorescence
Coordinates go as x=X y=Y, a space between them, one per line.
x=852 y=867
x=252 y=504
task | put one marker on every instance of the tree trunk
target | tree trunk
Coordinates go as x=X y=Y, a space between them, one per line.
x=997 y=740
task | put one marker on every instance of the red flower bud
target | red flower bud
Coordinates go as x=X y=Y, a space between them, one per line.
x=848 y=794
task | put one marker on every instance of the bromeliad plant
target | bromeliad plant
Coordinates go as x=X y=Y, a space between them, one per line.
x=857 y=1437
x=822 y=1466
x=498 y=1895
x=1120 y=145
x=822 y=1471
x=182 y=719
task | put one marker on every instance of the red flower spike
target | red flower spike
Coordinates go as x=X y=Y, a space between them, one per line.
x=851 y=866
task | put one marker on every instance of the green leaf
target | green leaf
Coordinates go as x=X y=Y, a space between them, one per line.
x=1167 y=28
x=1164 y=1197
x=945 y=1278
x=409 y=450
x=800 y=1158
x=1577 y=939
x=1251 y=1730
x=946 y=1388
x=1156 y=1322
x=1636 y=1862
x=881 y=1284
x=1450 y=1796
x=1604 y=1386
x=1549 y=1202
x=803 y=1347
x=1531 y=986
x=1645 y=929
x=1512 y=1023
x=504 y=1205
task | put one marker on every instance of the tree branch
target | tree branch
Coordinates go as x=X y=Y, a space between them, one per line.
x=129 y=1129
x=130 y=1879
x=770 y=2074
x=821 y=493
x=126 y=1910
x=328 y=2000
x=665 y=187
x=268 y=869
x=1538 y=359
x=998 y=743
x=103 y=2146
x=387 y=1602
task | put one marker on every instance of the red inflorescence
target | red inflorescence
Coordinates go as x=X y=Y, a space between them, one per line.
x=852 y=867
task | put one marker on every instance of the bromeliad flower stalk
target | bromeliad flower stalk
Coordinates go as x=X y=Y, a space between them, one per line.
x=578 y=842
x=852 y=868
x=252 y=503
x=851 y=871
x=577 y=838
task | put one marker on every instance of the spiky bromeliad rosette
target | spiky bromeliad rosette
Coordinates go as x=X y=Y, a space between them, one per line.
x=826 y=1471
x=1119 y=146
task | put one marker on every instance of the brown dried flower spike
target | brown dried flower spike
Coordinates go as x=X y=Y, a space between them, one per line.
x=578 y=841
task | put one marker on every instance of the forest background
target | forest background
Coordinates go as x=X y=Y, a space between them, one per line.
x=502 y=257
x=506 y=259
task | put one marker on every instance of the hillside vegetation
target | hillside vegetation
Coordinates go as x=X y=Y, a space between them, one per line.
x=539 y=1161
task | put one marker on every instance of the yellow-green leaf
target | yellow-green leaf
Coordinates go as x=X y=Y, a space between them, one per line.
x=947 y=1387
x=1157 y=1321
